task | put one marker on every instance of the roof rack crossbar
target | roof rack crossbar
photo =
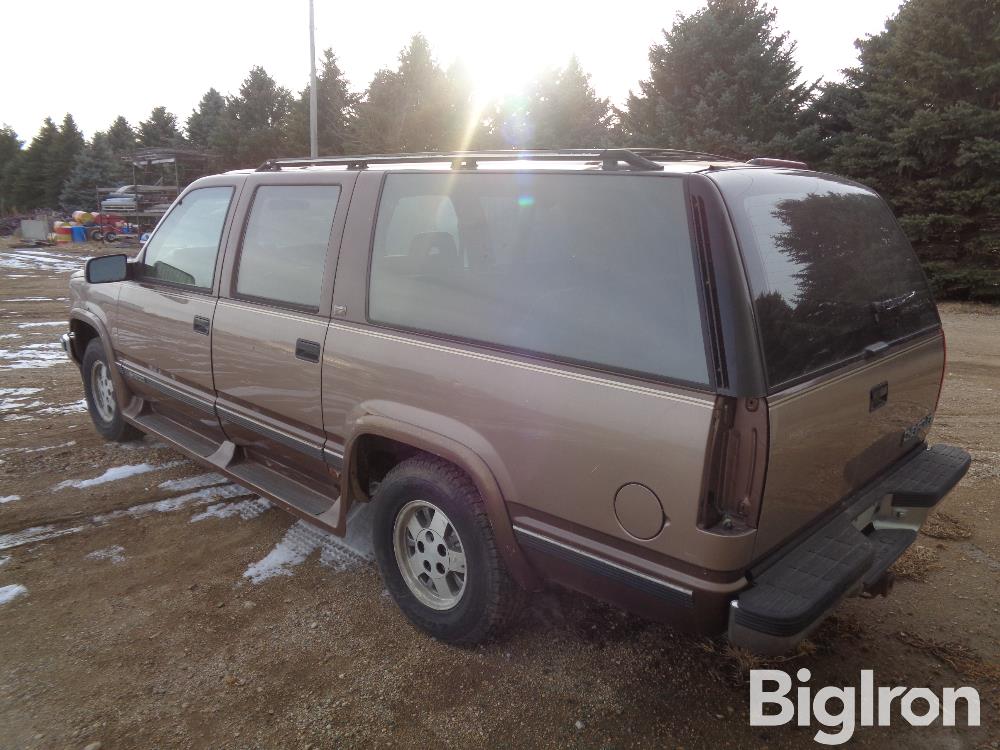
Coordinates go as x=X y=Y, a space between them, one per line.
x=608 y=158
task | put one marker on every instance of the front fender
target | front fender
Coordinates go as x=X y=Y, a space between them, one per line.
x=86 y=317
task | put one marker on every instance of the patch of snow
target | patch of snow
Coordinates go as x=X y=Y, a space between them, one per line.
x=34 y=356
x=246 y=509
x=18 y=399
x=203 y=496
x=11 y=592
x=114 y=474
x=4 y=451
x=36 y=260
x=30 y=299
x=9 y=499
x=44 y=324
x=49 y=411
x=298 y=543
x=10 y=336
x=141 y=444
x=35 y=534
x=302 y=539
x=19 y=392
x=76 y=406
x=114 y=554
x=193 y=483
x=4 y=560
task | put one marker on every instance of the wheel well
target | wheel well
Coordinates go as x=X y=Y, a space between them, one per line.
x=83 y=333
x=372 y=457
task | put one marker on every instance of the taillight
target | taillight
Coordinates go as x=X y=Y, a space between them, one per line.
x=733 y=482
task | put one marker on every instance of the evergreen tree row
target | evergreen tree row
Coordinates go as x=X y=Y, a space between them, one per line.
x=918 y=119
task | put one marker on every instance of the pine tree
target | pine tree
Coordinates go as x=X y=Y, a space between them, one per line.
x=28 y=177
x=95 y=166
x=67 y=144
x=121 y=137
x=207 y=121
x=10 y=155
x=407 y=109
x=376 y=129
x=724 y=80
x=160 y=130
x=335 y=112
x=561 y=111
x=257 y=117
x=923 y=128
x=466 y=117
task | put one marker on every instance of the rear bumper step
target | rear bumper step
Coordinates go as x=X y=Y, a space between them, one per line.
x=796 y=591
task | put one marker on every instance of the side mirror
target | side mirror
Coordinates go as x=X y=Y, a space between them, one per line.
x=106 y=268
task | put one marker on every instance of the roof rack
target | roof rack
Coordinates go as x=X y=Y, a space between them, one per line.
x=764 y=161
x=610 y=159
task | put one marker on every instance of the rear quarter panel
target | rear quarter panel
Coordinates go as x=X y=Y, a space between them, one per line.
x=562 y=441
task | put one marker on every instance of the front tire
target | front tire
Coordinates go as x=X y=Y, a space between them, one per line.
x=437 y=554
x=102 y=402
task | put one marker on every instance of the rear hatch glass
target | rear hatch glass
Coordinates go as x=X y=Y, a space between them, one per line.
x=830 y=270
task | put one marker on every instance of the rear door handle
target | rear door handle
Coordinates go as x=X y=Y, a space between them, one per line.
x=307 y=350
x=201 y=324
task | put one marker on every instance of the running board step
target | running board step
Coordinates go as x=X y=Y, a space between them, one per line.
x=316 y=507
x=286 y=490
x=169 y=430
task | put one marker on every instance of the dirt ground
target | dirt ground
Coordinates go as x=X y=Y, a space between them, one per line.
x=159 y=607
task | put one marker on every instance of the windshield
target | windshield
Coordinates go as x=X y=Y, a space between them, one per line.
x=830 y=270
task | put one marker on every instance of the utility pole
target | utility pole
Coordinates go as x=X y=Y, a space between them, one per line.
x=313 y=134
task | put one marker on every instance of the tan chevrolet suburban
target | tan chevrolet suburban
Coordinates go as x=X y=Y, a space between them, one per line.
x=693 y=387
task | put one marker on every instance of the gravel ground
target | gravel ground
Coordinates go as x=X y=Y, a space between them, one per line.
x=146 y=602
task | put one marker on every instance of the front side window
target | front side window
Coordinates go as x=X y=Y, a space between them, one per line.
x=184 y=248
x=596 y=269
x=285 y=244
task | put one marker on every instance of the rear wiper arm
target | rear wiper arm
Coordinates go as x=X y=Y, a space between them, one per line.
x=885 y=305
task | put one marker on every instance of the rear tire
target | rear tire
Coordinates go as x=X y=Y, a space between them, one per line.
x=102 y=401
x=455 y=586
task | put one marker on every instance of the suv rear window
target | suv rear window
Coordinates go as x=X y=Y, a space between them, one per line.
x=830 y=270
x=596 y=269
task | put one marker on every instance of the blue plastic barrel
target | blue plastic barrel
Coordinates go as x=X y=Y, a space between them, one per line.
x=79 y=234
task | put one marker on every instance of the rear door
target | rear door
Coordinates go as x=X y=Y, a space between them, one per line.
x=851 y=339
x=270 y=325
x=164 y=316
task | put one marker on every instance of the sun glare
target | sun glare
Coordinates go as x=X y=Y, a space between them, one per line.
x=496 y=73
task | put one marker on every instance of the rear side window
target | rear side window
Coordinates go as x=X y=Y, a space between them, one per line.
x=285 y=244
x=186 y=243
x=830 y=270
x=595 y=269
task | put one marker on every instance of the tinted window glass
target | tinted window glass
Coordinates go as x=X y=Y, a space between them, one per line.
x=830 y=269
x=185 y=245
x=285 y=244
x=592 y=268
